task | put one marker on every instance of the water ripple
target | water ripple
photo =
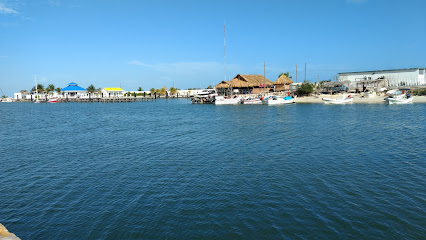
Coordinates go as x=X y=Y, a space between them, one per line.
x=170 y=169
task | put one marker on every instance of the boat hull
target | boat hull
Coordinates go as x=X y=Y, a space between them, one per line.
x=252 y=101
x=53 y=100
x=337 y=101
x=226 y=101
x=399 y=101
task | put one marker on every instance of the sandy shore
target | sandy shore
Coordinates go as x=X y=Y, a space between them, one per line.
x=357 y=99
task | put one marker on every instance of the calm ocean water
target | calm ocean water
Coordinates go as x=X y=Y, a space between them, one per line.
x=156 y=170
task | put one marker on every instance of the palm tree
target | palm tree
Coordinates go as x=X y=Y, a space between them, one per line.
x=50 y=88
x=58 y=90
x=140 y=89
x=287 y=74
x=152 y=90
x=40 y=88
x=90 y=89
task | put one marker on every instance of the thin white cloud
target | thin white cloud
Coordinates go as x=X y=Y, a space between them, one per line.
x=356 y=1
x=7 y=10
x=181 y=68
x=186 y=74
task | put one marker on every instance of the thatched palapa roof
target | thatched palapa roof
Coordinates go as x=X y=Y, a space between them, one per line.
x=283 y=79
x=245 y=81
x=223 y=84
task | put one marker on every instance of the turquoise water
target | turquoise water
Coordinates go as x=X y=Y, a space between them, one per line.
x=156 y=170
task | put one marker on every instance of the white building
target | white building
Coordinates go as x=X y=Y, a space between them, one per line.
x=391 y=78
x=20 y=95
x=294 y=86
x=73 y=91
x=113 y=92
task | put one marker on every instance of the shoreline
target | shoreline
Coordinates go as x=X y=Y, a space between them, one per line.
x=357 y=99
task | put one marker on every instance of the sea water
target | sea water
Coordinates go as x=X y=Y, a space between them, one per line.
x=171 y=169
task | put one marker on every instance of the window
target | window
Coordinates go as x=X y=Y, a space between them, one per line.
x=421 y=72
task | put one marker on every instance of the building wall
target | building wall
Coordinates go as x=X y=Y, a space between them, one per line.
x=282 y=87
x=394 y=78
x=294 y=86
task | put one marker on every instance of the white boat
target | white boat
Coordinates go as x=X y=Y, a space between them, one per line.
x=53 y=100
x=6 y=100
x=251 y=101
x=275 y=100
x=400 y=99
x=206 y=93
x=393 y=92
x=220 y=100
x=341 y=100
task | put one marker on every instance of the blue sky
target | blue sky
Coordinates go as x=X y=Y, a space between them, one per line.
x=160 y=43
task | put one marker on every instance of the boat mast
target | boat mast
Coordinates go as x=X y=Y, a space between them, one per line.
x=224 y=54
x=35 y=79
x=264 y=86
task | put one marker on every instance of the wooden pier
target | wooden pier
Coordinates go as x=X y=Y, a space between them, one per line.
x=110 y=100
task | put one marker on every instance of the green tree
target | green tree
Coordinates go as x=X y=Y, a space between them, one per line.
x=152 y=90
x=173 y=90
x=286 y=74
x=140 y=89
x=306 y=88
x=209 y=87
x=58 y=90
x=40 y=88
x=50 y=88
x=91 y=89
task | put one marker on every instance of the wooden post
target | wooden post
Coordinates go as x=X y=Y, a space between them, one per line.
x=296 y=73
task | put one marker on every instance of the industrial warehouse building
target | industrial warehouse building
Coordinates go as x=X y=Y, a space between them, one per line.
x=409 y=77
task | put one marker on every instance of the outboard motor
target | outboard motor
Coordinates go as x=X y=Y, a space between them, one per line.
x=408 y=95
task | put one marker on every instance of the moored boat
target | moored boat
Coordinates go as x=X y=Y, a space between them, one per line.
x=275 y=100
x=53 y=100
x=400 y=99
x=341 y=100
x=251 y=101
x=220 y=100
x=6 y=100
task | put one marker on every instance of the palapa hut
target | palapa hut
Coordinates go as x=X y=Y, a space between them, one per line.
x=283 y=83
x=223 y=88
x=253 y=84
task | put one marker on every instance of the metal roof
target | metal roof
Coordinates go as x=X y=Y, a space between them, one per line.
x=114 y=89
x=72 y=87
x=388 y=70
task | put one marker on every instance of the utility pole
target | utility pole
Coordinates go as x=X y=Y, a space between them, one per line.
x=305 y=71
x=296 y=73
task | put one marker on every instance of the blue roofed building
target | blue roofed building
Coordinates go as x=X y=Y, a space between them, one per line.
x=74 y=91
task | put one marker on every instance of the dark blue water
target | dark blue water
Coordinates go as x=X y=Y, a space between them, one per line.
x=156 y=170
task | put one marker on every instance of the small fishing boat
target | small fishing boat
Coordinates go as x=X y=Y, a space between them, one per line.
x=6 y=100
x=399 y=99
x=341 y=100
x=251 y=101
x=275 y=100
x=53 y=100
x=220 y=100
